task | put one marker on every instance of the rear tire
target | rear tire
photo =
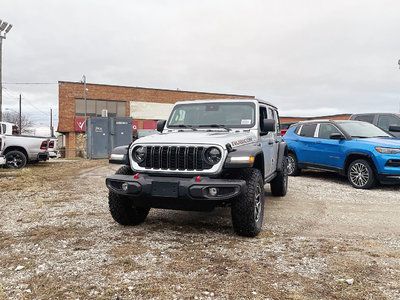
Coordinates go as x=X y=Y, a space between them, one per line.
x=248 y=208
x=15 y=160
x=292 y=165
x=280 y=182
x=121 y=207
x=361 y=175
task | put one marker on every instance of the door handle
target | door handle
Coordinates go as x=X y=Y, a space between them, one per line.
x=270 y=142
x=319 y=142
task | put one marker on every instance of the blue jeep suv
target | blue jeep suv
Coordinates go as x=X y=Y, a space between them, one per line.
x=359 y=150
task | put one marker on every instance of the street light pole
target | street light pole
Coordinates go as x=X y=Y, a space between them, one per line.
x=4 y=29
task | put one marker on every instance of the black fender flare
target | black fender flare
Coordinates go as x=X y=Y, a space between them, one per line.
x=242 y=152
x=282 y=153
x=120 y=155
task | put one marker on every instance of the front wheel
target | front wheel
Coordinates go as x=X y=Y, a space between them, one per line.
x=280 y=182
x=121 y=207
x=361 y=175
x=292 y=165
x=15 y=160
x=248 y=208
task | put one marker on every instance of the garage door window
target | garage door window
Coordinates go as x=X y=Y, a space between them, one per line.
x=95 y=107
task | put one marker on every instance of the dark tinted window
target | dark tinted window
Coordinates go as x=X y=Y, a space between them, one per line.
x=386 y=120
x=365 y=118
x=325 y=130
x=308 y=130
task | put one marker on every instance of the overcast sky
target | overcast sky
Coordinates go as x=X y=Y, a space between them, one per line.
x=309 y=58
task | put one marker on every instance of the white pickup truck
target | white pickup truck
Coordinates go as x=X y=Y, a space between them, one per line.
x=18 y=150
x=2 y=158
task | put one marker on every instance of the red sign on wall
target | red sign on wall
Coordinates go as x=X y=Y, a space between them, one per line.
x=79 y=124
x=150 y=125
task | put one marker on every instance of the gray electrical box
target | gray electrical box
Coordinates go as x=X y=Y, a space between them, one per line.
x=104 y=134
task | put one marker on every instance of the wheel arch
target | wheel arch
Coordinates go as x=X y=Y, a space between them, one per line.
x=259 y=163
x=358 y=155
x=16 y=148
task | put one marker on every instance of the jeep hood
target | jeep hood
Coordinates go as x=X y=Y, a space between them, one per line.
x=221 y=138
x=381 y=142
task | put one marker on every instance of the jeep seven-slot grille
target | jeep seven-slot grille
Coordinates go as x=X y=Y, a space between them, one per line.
x=175 y=158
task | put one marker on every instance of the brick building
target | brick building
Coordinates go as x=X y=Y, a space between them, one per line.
x=329 y=117
x=144 y=105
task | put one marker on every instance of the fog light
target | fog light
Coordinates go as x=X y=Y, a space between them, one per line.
x=124 y=186
x=213 y=191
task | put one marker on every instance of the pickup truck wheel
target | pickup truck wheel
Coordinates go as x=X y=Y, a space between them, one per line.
x=361 y=175
x=121 y=207
x=248 y=208
x=15 y=160
x=280 y=182
x=292 y=165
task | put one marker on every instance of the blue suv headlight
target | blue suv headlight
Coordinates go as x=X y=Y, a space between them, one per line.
x=385 y=150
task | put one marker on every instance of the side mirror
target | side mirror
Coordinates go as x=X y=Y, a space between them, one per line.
x=395 y=128
x=160 y=125
x=267 y=125
x=336 y=136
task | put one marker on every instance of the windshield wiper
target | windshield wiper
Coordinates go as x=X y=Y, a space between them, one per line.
x=359 y=137
x=216 y=126
x=184 y=126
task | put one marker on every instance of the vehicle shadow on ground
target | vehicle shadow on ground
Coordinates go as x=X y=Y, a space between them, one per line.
x=342 y=180
x=216 y=221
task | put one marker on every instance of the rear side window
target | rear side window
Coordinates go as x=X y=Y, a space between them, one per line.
x=386 y=120
x=365 y=118
x=308 y=130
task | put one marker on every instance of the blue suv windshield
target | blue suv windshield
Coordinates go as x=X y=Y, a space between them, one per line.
x=363 y=130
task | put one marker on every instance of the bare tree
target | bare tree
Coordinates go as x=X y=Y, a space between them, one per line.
x=13 y=117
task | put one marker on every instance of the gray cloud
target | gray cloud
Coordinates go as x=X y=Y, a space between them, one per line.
x=307 y=57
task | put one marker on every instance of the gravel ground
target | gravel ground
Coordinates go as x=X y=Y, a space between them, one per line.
x=324 y=240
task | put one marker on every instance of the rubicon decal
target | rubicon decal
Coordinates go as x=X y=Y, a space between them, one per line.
x=241 y=142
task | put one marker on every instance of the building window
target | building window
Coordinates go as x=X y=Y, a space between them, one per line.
x=95 y=107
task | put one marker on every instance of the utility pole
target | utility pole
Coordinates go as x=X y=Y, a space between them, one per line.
x=84 y=95
x=4 y=26
x=20 y=114
x=51 y=122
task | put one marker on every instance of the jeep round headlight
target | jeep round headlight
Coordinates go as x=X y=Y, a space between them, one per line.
x=212 y=155
x=139 y=154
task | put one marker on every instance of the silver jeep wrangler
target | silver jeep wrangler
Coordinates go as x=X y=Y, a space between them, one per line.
x=210 y=153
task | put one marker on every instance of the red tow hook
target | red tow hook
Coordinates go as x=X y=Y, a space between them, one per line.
x=136 y=176
x=198 y=179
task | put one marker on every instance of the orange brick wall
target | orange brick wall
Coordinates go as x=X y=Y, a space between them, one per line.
x=298 y=119
x=69 y=91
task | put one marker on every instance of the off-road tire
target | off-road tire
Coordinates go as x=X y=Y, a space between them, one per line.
x=361 y=174
x=280 y=182
x=292 y=165
x=248 y=208
x=15 y=160
x=121 y=207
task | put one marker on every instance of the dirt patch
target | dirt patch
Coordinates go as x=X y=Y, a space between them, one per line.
x=324 y=240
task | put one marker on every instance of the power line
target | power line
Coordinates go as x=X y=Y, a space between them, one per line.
x=26 y=83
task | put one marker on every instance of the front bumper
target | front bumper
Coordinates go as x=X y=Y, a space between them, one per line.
x=389 y=178
x=173 y=187
x=2 y=160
